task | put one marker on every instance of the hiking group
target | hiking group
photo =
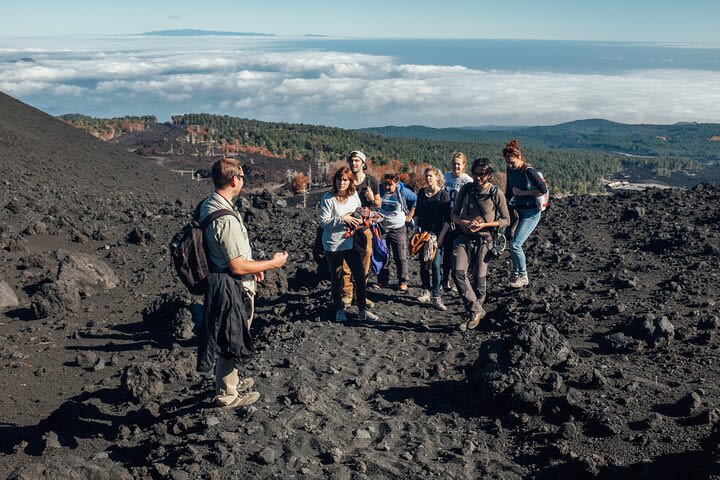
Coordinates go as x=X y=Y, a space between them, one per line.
x=458 y=220
x=363 y=227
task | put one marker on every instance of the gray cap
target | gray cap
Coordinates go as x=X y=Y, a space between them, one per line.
x=359 y=154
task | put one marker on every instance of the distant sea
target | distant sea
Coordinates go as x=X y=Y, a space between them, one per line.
x=528 y=55
x=354 y=83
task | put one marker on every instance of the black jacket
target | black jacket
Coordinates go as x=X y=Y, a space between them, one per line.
x=224 y=329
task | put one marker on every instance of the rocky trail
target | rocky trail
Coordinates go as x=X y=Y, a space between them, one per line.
x=606 y=366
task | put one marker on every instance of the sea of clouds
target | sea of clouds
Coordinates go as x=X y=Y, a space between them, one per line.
x=256 y=78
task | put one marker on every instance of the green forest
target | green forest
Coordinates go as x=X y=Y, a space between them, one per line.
x=567 y=167
x=569 y=170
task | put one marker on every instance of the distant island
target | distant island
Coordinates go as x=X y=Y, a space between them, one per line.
x=189 y=32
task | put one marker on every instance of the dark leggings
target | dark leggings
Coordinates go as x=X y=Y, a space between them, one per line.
x=354 y=260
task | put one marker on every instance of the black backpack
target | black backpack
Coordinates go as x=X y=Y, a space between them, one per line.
x=189 y=254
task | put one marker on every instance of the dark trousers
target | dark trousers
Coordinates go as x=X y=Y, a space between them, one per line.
x=470 y=257
x=353 y=259
x=397 y=241
x=434 y=267
x=447 y=260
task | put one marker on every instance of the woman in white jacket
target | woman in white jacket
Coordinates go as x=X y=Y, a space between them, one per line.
x=336 y=209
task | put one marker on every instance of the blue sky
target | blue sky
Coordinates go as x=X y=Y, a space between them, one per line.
x=81 y=57
x=633 y=20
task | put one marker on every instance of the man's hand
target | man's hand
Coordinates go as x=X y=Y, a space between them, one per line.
x=279 y=259
x=369 y=194
x=476 y=225
x=259 y=276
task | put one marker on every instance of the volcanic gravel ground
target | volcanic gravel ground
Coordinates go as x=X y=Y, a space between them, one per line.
x=606 y=366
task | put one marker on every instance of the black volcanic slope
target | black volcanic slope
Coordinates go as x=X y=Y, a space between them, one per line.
x=607 y=366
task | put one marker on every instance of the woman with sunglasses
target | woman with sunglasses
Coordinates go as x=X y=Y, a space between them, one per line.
x=524 y=184
x=479 y=208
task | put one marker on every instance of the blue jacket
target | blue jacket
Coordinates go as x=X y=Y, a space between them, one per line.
x=408 y=199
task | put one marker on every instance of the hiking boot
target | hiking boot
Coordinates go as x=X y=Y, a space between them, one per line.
x=340 y=316
x=368 y=303
x=520 y=281
x=403 y=288
x=242 y=400
x=364 y=315
x=475 y=321
x=438 y=304
x=424 y=297
x=347 y=301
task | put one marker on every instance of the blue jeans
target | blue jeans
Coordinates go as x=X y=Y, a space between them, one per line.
x=526 y=223
x=436 y=274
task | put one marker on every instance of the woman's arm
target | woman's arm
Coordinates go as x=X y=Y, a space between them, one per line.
x=328 y=217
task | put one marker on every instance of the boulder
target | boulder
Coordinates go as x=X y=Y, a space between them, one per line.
x=7 y=296
x=55 y=298
x=87 y=272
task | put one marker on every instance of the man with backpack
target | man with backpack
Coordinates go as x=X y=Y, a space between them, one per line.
x=225 y=338
x=368 y=191
x=479 y=208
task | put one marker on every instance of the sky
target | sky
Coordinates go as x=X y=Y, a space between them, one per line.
x=628 y=20
x=645 y=62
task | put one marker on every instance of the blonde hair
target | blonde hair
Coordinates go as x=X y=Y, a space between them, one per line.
x=462 y=157
x=438 y=175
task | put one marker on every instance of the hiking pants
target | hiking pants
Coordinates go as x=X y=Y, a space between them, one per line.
x=354 y=261
x=470 y=256
x=397 y=241
x=347 y=284
x=435 y=267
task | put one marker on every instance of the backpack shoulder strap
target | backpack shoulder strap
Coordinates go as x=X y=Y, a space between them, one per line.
x=214 y=216
x=494 y=195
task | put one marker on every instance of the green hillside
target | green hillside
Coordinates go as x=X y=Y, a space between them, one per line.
x=694 y=141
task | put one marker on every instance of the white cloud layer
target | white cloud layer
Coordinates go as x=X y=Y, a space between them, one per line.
x=344 y=89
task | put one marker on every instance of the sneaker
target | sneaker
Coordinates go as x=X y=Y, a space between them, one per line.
x=438 y=304
x=245 y=384
x=424 y=297
x=242 y=400
x=520 y=281
x=463 y=326
x=347 y=300
x=449 y=287
x=340 y=316
x=365 y=315
x=475 y=321
x=403 y=288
